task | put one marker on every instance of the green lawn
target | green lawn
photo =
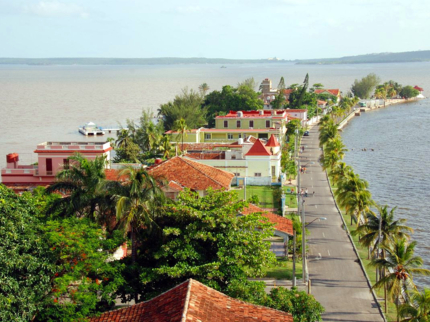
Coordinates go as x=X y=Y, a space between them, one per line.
x=269 y=196
x=283 y=269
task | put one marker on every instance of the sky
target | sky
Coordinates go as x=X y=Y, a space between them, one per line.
x=236 y=29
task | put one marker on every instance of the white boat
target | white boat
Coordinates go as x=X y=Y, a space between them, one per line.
x=91 y=129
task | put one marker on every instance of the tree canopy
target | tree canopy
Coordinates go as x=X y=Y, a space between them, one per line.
x=364 y=87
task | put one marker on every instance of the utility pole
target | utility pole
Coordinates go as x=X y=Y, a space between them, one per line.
x=294 y=259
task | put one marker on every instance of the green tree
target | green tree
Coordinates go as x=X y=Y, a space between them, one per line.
x=81 y=183
x=328 y=130
x=400 y=265
x=187 y=105
x=203 y=88
x=409 y=92
x=281 y=85
x=26 y=264
x=242 y=98
x=137 y=203
x=86 y=278
x=417 y=309
x=203 y=238
x=391 y=229
x=181 y=127
x=302 y=306
x=362 y=88
x=334 y=151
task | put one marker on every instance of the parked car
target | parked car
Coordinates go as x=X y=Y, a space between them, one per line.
x=306 y=133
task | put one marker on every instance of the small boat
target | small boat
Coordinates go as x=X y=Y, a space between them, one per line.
x=223 y=66
x=91 y=129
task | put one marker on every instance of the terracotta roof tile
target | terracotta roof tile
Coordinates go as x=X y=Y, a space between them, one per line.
x=282 y=224
x=418 y=88
x=191 y=174
x=272 y=141
x=334 y=92
x=258 y=149
x=193 y=301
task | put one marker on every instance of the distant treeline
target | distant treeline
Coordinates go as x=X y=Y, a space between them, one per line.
x=130 y=61
x=410 y=56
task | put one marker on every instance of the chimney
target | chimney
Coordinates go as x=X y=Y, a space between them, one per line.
x=158 y=161
x=12 y=160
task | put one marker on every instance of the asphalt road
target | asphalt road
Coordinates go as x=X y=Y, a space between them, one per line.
x=337 y=280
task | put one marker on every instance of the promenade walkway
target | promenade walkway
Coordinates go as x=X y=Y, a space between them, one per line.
x=337 y=280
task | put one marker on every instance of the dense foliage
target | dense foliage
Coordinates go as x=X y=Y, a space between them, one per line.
x=363 y=88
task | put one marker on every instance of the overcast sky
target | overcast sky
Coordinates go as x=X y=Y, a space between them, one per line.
x=288 y=29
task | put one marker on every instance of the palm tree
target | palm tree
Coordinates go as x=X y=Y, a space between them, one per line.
x=204 y=88
x=124 y=138
x=166 y=147
x=418 y=308
x=328 y=131
x=137 y=203
x=334 y=151
x=352 y=195
x=399 y=266
x=340 y=170
x=182 y=129
x=391 y=229
x=81 y=184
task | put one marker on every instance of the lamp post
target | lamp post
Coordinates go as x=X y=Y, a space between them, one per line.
x=320 y=218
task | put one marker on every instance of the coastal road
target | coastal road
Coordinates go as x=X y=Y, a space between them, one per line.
x=337 y=280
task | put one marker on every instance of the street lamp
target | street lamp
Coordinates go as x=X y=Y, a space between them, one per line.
x=320 y=218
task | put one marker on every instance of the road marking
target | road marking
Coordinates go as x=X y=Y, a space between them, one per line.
x=315 y=206
x=319 y=256
x=328 y=252
x=323 y=235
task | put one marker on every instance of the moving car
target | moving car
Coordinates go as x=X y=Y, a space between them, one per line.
x=306 y=133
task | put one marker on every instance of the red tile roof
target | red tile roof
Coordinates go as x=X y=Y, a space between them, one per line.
x=418 y=88
x=193 y=301
x=282 y=224
x=253 y=114
x=272 y=141
x=207 y=156
x=334 y=92
x=113 y=175
x=191 y=174
x=258 y=149
x=288 y=91
x=175 y=186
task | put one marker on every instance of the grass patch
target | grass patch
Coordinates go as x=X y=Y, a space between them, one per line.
x=283 y=269
x=269 y=196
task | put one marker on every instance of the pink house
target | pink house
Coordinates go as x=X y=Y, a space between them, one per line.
x=52 y=157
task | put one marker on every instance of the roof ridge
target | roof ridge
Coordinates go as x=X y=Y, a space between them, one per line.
x=187 y=301
x=201 y=164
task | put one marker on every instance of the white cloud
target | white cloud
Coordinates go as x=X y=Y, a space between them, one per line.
x=55 y=9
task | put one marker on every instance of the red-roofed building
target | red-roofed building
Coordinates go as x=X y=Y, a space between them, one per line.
x=255 y=163
x=52 y=157
x=183 y=173
x=283 y=226
x=420 y=89
x=193 y=301
x=334 y=92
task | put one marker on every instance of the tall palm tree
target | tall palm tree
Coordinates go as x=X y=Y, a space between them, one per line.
x=166 y=147
x=352 y=195
x=81 y=183
x=340 y=170
x=417 y=309
x=182 y=129
x=400 y=265
x=391 y=229
x=334 y=151
x=123 y=139
x=328 y=131
x=204 y=88
x=137 y=203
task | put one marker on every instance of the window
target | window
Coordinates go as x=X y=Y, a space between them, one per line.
x=49 y=167
x=230 y=136
x=208 y=136
x=66 y=164
x=240 y=135
x=236 y=174
x=225 y=123
x=233 y=157
x=268 y=123
x=238 y=124
x=251 y=123
x=257 y=174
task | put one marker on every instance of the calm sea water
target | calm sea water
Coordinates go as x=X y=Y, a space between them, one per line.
x=48 y=103
x=398 y=168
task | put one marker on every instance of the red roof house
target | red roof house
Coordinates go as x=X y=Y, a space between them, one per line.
x=193 y=301
x=258 y=149
x=420 y=89
x=282 y=224
x=190 y=174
